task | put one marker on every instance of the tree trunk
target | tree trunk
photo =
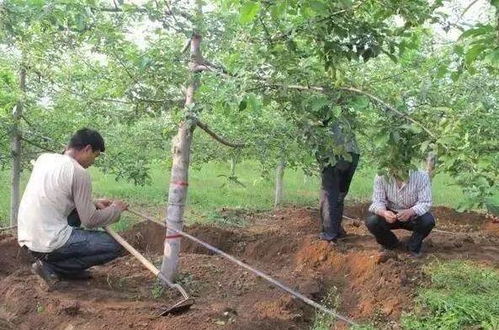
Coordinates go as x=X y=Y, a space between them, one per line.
x=181 y=151
x=233 y=167
x=279 y=183
x=15 y=150
x=431 y=159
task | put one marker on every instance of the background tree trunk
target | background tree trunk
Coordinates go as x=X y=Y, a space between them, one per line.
x=431 y=160
x=15 y=150
x=181 y=151
x=279 y=180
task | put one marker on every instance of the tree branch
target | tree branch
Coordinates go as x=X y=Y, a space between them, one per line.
x=205 y=128
x=389 y=107
x=44 y=138
x=37 y=145
x=186 y=46
x=119 y=10
x=8 y=228
x=358 y=91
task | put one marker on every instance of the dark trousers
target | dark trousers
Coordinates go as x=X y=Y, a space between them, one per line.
x=382 y=230
x=84 y=249
x=335 y=184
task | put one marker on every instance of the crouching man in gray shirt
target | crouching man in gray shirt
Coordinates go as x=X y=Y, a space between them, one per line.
x=401 y=204
x=60 y=186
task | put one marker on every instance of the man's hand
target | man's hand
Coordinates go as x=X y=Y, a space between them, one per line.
x=102 y=203
x=120 y=205
x=405 y=215
x=389 y=216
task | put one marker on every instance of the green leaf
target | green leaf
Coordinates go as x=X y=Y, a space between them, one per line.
x=361 y=102
x=242 y=105
x=278 y=10
x=392 y=57
x=336 y=110
x=318 y=6
x=459 y=49
x=477 y=31
x=424 y=146
x=412 y=128
x=253 y=102
x=248 y=12
x=493 y=57
x=346 y=3
x=442 y=71
x=381 y=139
x=319 y=103
x=473 y=53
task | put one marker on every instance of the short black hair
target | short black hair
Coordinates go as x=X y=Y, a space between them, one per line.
x=86 y=136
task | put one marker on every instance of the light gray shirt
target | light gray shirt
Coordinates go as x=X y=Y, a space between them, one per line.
x=58 y=184
x=415 y=194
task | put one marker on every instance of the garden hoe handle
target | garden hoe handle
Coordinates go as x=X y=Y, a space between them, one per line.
x=144 y=261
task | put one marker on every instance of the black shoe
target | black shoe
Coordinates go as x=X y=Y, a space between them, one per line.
x=43 y=270
x=415 y=255
x=326 y=237
x=77 y=276
x=343 y=234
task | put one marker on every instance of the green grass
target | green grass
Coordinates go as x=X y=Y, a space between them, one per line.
x=460 y=295
x=209 y=190
x=323 y=321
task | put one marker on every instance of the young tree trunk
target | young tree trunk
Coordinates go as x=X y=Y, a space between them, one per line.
x=279 y=183
x=233 y=166
x=431 y=159
x=181 y=151
x=15 y=150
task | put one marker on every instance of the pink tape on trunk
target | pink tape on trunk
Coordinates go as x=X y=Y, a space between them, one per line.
x=173 y=236
x=180 y=183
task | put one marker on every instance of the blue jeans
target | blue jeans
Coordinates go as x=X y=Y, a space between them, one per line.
x=84 y=249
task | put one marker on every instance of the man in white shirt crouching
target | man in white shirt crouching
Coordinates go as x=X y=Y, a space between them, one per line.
x=59 y=190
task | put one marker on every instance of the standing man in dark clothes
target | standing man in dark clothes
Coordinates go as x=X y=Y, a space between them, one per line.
x=337 y=173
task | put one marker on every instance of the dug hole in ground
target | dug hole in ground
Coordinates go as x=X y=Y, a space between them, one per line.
x=283 y=244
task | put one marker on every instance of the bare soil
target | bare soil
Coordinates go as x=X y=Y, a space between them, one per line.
x=283 y=244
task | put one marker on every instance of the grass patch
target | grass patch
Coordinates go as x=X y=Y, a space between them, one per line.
x=210 y=191
x=323 y=321
x=460 y=295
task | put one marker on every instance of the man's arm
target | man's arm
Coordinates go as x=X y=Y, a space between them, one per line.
x=423 y=204
x=378 y=205
x=89 y=215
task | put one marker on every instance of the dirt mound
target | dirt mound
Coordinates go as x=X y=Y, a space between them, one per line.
x=368 y=284
x=283 y=244
x=149 y=237
x=450 y=219
x=11 y=255
x=491 y=228
x=447 y=218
